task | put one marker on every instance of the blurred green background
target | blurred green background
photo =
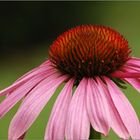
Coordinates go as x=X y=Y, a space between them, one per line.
x=28 y=28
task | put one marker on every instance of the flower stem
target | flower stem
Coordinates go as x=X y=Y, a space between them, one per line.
x=94 y=134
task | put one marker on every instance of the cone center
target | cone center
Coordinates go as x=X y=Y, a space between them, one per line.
x=89 y=51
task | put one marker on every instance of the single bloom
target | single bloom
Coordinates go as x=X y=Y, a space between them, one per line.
x=93 y=62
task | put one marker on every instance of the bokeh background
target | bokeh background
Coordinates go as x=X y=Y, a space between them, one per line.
x=27 y=29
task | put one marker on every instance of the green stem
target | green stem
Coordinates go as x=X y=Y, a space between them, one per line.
x=94 y=134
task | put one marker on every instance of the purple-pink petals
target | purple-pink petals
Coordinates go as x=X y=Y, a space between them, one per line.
x=92 y=62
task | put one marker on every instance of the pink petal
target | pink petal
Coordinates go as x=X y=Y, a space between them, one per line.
x=134 y=82
x=46 y=65
x=134 y=62
x=56 y=125
x=21 y=81
x=20 y=92
x=125 y=110
x=77 y=125
x=130 y=69
x=32 y=106
x=135 y=58
x=121 y=74
x=42 y=85
x=97 y=108
x=115 y=119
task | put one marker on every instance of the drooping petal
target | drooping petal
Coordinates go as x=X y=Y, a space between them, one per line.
x=46 y=63
x=77 y=124
x=130 y=69
x=46 y=66
x=127 y=71
x=134 y=82
x=57 y=122
x=97 y=108
x=135 y=58
x=115 y=120
x=134 y=62
x=20 y=92
x=125 y=110
x=32 y=106
x=21 y=81
x=121 y=74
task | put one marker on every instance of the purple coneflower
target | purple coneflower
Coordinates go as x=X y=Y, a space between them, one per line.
x=93 y=60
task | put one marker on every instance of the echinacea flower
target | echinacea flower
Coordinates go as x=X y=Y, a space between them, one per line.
x=94 y=62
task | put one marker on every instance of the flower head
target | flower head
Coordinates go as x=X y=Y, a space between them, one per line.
x=89 y=51
x=94 y=59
